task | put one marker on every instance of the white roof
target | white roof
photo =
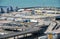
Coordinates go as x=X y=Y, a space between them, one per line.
x=21 y=10
x=33 y=20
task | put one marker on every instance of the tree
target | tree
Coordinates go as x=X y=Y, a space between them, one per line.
x=8 y=10
x=11 y=9
x=2 y=10
x=16 y=9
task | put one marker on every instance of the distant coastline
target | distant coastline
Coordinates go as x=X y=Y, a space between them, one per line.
x=3 y=6
x=32 y=7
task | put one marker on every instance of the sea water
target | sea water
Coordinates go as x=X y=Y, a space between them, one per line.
x=30 y=3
